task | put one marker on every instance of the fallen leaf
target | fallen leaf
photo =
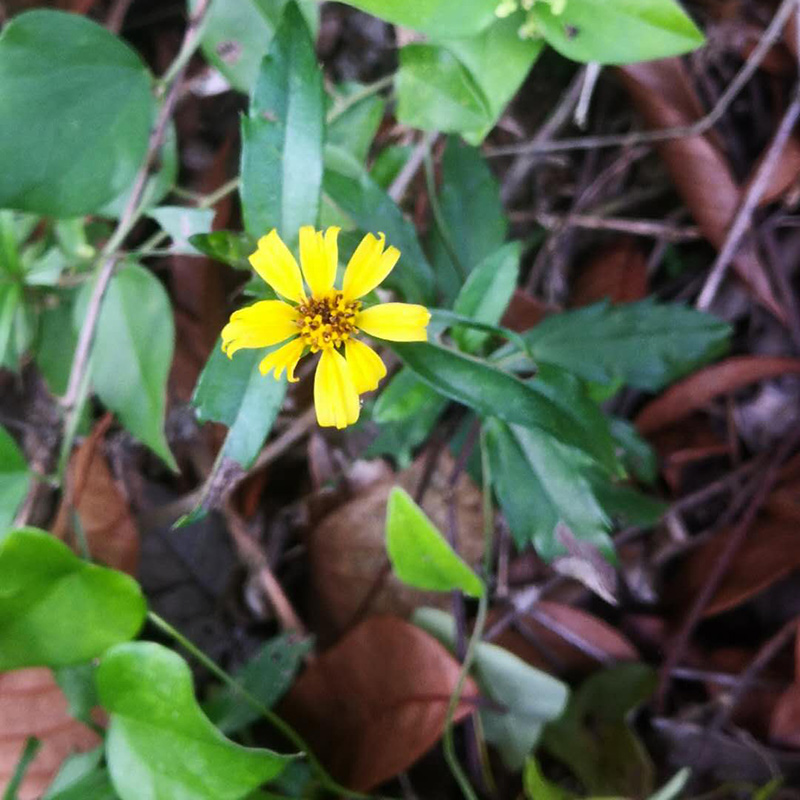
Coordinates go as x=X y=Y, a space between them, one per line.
x=102 y=509
x=347 y=549
x=663 y=93
x=565 y=637
x=697 y=390
x=376 y=701
x=32 y=704
x=525 y=312
x=770 y=552
x=618 y=272
x=784 y=725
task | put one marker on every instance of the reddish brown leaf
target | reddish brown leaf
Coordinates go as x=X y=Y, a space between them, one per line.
x=570 y=657
x=376 y=701
x=103 y=511
x=663 y=94
x=32 y=704
x=784 y=726
x=525 y=312
x=698 y=389
x=348 y=548
x=618 y=272
x=770 y=552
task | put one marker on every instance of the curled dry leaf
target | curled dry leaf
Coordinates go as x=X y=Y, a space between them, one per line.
x=376 y=701
x=770 y=552
x=102 y=509
x=347 y=549
x=32 y=704
x=694 y=392
x=566 y=640
x=618 y=272
x=664 y=95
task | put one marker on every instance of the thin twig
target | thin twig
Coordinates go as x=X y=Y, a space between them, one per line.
x=400 y=184
x=771 y=35
x=751 y=199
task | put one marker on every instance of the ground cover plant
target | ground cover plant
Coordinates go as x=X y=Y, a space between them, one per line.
x=399 y=399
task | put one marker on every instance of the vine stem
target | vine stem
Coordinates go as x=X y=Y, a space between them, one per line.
x=109 y=256
x=469 y=657
x=326 y=780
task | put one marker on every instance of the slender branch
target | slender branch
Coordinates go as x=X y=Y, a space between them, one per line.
x=741 y=221
x=698 y=128
x=354 y=99
x=109 y=256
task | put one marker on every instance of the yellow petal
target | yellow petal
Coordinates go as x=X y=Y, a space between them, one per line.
x=274 y=262
x=284 y=358
x=335 y=395
x=365 y=364
x=368 y=267
x=263 y=324
x=319 y=255
x=398 y=322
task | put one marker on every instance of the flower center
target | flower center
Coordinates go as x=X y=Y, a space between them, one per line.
x=326 y=322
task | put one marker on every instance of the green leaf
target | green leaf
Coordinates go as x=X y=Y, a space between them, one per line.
x=56 y=610
x=531 y=698
x=230 y=247
x=486 y=293
x=267 y=676
x=434 y=17
x=637 y=454
x=232 y=391
x=494 y=393
x=354 y=129
x=618 y=31
x=77 y=684
x=435 y=92
x=81 y=776
x=133 y=352
x=420 y=555
x=57 y=341
x=181 y=223
x=647 y=344
x=159 y=743
x=237 y=33
x=593 y=737
x=537 y=787
x=540 y=482
x=626 y=503
x=352 y=189
x=15 y=479
x=11 y=309
x=498 y=60
x=282 y=135
x=403 y=398
x=473 y=215
x=77 y=107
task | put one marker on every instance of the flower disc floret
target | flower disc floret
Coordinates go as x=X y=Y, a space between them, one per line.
x=327 y=322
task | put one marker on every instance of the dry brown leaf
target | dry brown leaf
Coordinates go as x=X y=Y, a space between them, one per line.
x=663 y=93
x=770 y=552
x=698 y=389
x=376 y=701
x=570 y=658
x=618 y=272
x=32 y=704
x=105 y=517
x=525 y=312
x=784 y=725
x=347 y=549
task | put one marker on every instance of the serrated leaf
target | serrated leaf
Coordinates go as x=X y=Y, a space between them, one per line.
x=282 y=135
x=77 y=108
x=473 y=215
x=531 y=698
x=56 y=610
x=159 y=743
x=132 y=353
x=420 y=555
x=352 y=189
x=540 y=483
x=232 y=391
x=15 y=478
x=494 y=393
x=618 y=31
x=647 y=344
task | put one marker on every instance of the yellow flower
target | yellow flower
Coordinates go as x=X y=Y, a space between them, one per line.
x=325 y=319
